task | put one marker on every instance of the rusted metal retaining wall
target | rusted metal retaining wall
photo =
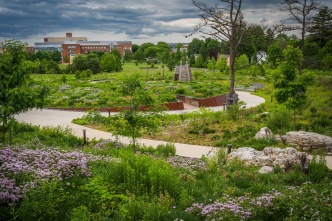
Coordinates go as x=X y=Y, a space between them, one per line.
x=203 y=102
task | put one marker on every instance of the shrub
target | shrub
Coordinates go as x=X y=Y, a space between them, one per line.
x=280 y=119
x=166 y=150
x=318 y=171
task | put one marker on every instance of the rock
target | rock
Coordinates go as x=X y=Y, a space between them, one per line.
x=264 y=133
x=308 y=141
x=286 y=158
x=266 y=169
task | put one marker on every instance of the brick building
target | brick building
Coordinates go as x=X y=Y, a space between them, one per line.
x=70 y=46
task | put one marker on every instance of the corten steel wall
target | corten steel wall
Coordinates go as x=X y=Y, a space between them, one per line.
x=204 y=102
x=213 y=101
x=168 y=106
x=188 y=100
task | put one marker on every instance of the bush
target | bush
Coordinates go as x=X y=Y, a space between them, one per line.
x=318 y=171
x=166 y=150
x=280 y=120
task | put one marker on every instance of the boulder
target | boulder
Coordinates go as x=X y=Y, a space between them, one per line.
x=286 y=158
x=308 y=141
x=264 y=133
x=266 y=169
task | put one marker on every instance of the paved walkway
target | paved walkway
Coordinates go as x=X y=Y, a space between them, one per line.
x=54 y=118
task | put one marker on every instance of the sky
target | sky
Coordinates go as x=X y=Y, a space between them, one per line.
x=138 y=21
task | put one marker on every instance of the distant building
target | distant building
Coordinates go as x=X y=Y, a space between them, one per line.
x=173 y=47
x=69 y=37
x=30 y=49
x=70 y=49
x=70 y=46
x=48 y=46
x=122 y=47
x=261 y=56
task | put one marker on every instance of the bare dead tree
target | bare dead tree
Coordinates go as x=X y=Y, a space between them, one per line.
x=301 y=11
x=224 y=22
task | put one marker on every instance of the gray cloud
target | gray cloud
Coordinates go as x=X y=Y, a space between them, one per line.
x=24 y=18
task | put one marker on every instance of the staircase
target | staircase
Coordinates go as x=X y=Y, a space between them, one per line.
x=183 y=73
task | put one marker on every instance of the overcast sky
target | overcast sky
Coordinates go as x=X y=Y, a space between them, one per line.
x=116 y=20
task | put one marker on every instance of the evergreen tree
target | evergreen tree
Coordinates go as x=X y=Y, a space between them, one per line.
x=321 y=27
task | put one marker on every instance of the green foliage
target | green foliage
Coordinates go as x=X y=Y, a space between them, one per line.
x=241 y=62
x=85 y=74
x=221 y=64
x=35 y=137
x=280 y=120
x=318 y=171
x=167 y=150
x=291 y=87
x=44 y=202
x=110 y=63
x=320 y=28
x=18 y=93
x=140 y=175
x=212 y=64
x=199 y=63
x=131 y=122
x=274 y=53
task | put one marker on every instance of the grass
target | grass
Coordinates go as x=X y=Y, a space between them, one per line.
x=146 y=185
x=126 y=183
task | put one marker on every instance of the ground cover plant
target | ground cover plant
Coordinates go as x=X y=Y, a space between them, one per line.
x=105 y=180
x=238 y=126
x=104 y=89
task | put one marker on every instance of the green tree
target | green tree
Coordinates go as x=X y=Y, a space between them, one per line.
x=301 y=11
x=321 y=27
x=134 y=48
x=139 y=56
x=132 y=122
x=171 y=62
x=221 y=64
x=325 y=56
x=199 y=63
x=17 y=94
x=146 y=45
x=213 y=47
x=274 y=54
x=195 y=46
x=94 y=63
x=151 y=52
x=80 y=63
x=56 y=56
x=241 y=62
x=128 y=55
x=53 y=67
x=253 y=41
x=310 y=54
x=110 y=63
x=224 y=22
x=212 y=64
x=290 y=86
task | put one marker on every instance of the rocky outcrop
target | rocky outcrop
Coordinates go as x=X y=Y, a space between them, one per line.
x=308 y=141
x=264 y=133
x=266 y=169
x=286 y=158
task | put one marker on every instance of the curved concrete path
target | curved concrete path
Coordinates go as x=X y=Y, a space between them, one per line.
x=54 y=118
